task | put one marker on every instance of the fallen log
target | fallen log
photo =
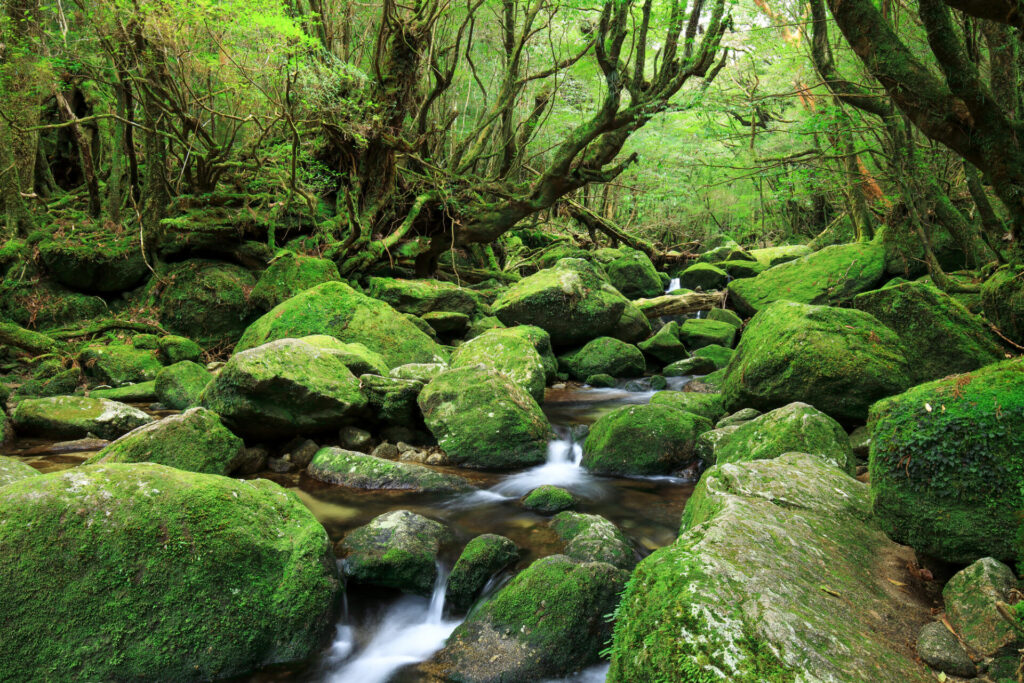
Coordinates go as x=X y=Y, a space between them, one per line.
x=680 y=304
x=35 y=343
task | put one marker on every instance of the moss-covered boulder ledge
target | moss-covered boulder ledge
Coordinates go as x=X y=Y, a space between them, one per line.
x=776 y=577
x=361 y=471
x=75 y=417
x=336 y=309
x=946 y=467
x=151 y=573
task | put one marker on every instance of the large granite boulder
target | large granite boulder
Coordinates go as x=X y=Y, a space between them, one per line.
x=776 y=576
x=838 y=360
x=946 y=471
x=154 y=573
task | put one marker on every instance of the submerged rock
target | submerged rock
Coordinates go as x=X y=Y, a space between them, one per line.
x=12 y=470
x=163 y=575
x=180 y=386
x=481 y=559
x=605 y=356
x=290 y=274
x=592 y=538
x=336 y=309
x=838 y=360
x=946 y=471
x=395 y=550
x=643 y=439
x=361 y=471
x=549 y=621
x=483 y=420
x=286 y=387
x=75 y=417
x=195 y=441
x=507 y=353
x=775 y=576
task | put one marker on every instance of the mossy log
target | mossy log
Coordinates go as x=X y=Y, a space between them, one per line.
x=35 y=343
x=679 y=304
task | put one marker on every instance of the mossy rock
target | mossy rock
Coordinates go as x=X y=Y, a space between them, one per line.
x=6 y=430
x=1002 y=299
x=94 y=260
x=970 y=599
x=709 y=383
x=289 y=274
x=392 y=400
x=705 y=405
x=730 y=251
x=547 y=500
x=336 y=309
x=946 y=471
x=605 y=356
x=798 y=428
x=75 y=417
x=600 y=381
x=738 y=418
x=360 y=471
x=838 y=360
x=482 y=558
x=633 y=325
x=286 y=388
x=483 y=420
x=13 y=469
x=143 y=392
x=61 y=383
x=830 y=276
x=724 y=315
x=548 y=622
x=773 y=256
x=420 y=372
x=174 y=349
x=541 y=341
x=720 y=355
x=592 y=538
x=225 y=576
x=695 y=365
x=773 y=579
x=195 y=441
x=738 y=269
x=447 y=323
x=181 y=385
x=146 y=342
x=208 y=301
x=481 y=325
x=664 y=346
x=395 y=550
x=634 y=275
x=643 y=439
x=940 y=337
x=422 y=296
x=43 y=305
x=698 y=333
x=703 y=276
x=119 y=364
x=556 y=253
x=508 y=353
x=571 y=301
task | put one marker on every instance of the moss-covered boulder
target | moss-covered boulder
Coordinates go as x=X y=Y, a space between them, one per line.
x=154 y=573
x=798 y=428
x=336 y=309
x=174 y=349
x=724 y=315
x=361 y=471
x=838 y=360
x=738 y=269
x=710 y=406
x=483 y=420
x=289 y=274
x=195 y=441
x=634 y=275
x=592 y=538
x=1002 y=300
x=549 y=621
x=75 y=417
x=422 y=296
x=773 y=256
x=119 y=364
x=206 y=300
x=447 y=324
x=481 y=325
x=13 y=469
x=6 y=430
x=143 y=392
x=395 y=550
x=392 y=400
x=285 y=388
x=53 y=380
x=606 y=356
x=694 y=365
x=830 y=276
x=643 y=439
x=541 y=341
x=940 y=337
x=547 y=500
x=703 y=276
x=43 y=305
x=720 y=355
x=180 y=386
x=94 y=260
x=775 y=577
x=508 y=353
x=420 y=372
x=698 y=333
x=664 y=345
x=633 y=325
x=571 y=301
x=482 y=558
x=729 y=251
x=971 y=599
x=946 y=466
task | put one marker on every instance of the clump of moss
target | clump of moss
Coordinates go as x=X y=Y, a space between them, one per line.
x=548 y=499
x=119 y=364
x=287 y=275
x=703 y=276
x=710 y=406
x=180 y=386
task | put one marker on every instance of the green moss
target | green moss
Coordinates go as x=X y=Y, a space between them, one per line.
x=481 y=325
x=703 y=276
x=1002 y=299
x=482 y=558
x=605 y=356
x=61 y=383
x=645 y=439
x=738 y=269
x=633 y=274
x=506 y=352
x=336 y=309
x=724 y=315
x=773 y=256
x=206 y=300
x=75 y=417
x=633 y=325
x=717 y=353
x=287 y=275
x=361 y=471
x=159 y=574
x=94 y=259
x=730 y=251
x=119 y=364
x=146 y=342
x=548 y=499
x=705 y=405
x=174 y=349
x=592 y=538
x=949 y=481
x=13 y=469
x=422 y=296
x=180 y=386
x=142 y=392
x=393 y=400
x=44 y=305
x=664 y=346
x=698 y=333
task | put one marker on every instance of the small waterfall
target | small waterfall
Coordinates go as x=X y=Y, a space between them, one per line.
x=673 y=285
x=412 y=630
